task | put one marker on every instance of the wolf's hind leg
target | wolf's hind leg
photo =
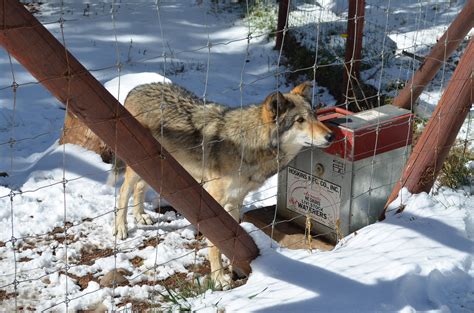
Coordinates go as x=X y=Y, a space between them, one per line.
x=215 y=257
x=220 y=280
x=215 y=189
x=138 y=199
x=233 y=209
x=131 y=178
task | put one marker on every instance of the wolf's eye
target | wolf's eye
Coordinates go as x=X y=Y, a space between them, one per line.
x=300 y=119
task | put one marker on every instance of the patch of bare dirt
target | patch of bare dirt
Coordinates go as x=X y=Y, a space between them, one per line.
x=137 y=261
x=25 y=259
x=58 y=229
x=202 y=269
x=172 y=282
x=150 y=242
x=61 y=239
x=25 y=245
x=82 y=281
x=4 y=295
x=58 y=234
x=140 y=306
x=90 y=254
x=197 y=244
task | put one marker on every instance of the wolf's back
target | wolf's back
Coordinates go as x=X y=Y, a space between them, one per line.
x=175 y=115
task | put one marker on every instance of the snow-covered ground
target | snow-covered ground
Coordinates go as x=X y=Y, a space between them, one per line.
x=417 y=261
x=420 y=260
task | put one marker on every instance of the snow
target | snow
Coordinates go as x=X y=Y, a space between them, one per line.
x=122 y=85
x=416 y=261
x=420 y=260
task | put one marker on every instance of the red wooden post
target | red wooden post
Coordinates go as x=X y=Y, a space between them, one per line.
x=441 y=51
x=23 y=36
x=428 y=156
x=282 y=22
x=353 y=56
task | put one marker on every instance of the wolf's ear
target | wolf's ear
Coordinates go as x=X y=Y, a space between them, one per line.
x=304 y=90
x=273 y=105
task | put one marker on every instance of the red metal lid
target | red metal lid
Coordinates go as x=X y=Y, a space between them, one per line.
x=368 y=133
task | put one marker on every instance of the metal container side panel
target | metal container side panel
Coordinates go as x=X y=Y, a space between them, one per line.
x=345 y=181
x=373 y=181
x=325 y=168
x=384 y=137
x=337 y=171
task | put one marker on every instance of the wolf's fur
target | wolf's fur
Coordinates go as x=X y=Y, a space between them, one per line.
x=233 y=151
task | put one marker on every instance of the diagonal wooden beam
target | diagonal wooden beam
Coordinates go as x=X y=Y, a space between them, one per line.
x=434 y=144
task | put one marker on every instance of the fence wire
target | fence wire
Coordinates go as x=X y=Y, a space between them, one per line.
x=77 y=263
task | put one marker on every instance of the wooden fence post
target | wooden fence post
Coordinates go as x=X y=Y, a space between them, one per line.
x=433 y=146
x=353 y=55
x=440 y=52
x=283 y=9
x=29 y=42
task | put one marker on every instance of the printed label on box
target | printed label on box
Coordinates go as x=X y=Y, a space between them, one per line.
x=371 y=115
x=338 y=167
x=313 y=196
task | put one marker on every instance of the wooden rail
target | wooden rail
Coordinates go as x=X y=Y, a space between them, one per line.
x=433 y=146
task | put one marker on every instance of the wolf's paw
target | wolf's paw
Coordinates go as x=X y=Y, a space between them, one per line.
x=238 y=274
x=220 y=280
x=120 y=230
x=143 y=219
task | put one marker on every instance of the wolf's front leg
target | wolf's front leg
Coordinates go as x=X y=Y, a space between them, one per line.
x=138 y=199
x=120 y=229
x=215 y=258
x=218 y=276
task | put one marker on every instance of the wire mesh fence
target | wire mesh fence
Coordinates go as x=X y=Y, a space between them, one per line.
x=57 y=251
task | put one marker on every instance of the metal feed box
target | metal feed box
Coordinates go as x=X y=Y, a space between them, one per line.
x=344 y=187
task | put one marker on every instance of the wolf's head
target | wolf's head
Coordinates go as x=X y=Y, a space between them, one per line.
x=294 y=124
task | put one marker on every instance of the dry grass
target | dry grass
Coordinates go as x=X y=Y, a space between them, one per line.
x=455 y=173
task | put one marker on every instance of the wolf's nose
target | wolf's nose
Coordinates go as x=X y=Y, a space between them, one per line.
x=330 y=137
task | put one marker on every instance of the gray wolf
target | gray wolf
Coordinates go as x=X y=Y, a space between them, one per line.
x=233 y=151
